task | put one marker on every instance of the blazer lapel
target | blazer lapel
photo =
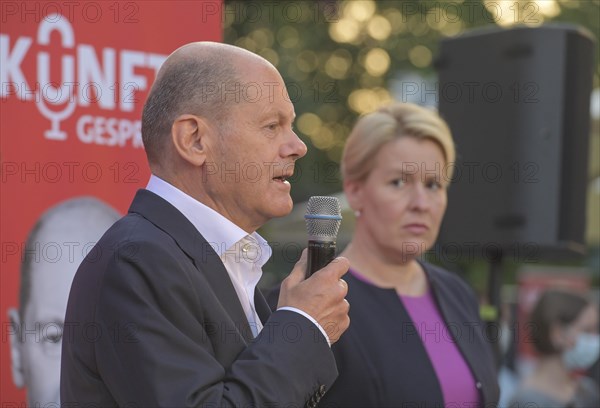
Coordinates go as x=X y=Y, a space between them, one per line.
x=449 y=306
x=166 y=217
x=262 y=308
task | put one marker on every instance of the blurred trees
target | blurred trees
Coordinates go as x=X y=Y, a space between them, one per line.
x=341 y=59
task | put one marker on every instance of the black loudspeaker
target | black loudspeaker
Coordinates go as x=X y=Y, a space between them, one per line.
x=518 y=104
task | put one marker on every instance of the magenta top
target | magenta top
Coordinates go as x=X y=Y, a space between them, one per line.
x=455 y=377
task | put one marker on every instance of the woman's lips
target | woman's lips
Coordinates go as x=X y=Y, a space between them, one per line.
x=416 y=228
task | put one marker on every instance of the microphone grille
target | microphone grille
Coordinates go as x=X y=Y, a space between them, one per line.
x=323 y=218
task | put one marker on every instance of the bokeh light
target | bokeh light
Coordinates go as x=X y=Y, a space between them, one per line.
x=309 y=124
x=288 y=37
x=420 y=56
x=379 y=28
x=359 y=10
x=338 y=64
x=324 y=139
x=307 y=61
x=377 y=61
x=344 y=31
x=364 y=101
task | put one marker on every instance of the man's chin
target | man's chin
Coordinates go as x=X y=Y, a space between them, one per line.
x=283 y=209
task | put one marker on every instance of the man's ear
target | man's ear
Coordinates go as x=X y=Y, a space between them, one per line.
x=189 y=135
x=354 y=194
x=16 y=355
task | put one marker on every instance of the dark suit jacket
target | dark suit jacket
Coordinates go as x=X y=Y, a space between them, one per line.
x=381 y=359
x=154 y=320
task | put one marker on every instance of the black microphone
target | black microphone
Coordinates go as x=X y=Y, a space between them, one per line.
x=323 y=218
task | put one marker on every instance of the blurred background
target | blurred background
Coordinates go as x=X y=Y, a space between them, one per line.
x=344 y=59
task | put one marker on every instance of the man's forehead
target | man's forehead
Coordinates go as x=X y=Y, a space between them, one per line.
x=264 y=95
x=49 y=289
x=265 y=90
x=55 y=254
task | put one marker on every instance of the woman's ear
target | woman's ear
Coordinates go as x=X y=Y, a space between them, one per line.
x=354 y=192
x=189 y=134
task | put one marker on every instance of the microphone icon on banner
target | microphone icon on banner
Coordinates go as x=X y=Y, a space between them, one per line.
x=55 y=95
x=54 y=133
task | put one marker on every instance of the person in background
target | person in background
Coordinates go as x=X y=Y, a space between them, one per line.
x=564 y=332
x=416 y=338
x=56 y=245
x=508 y=379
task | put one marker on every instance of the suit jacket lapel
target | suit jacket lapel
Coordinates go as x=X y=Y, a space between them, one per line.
x=166 y=217
x=262 y=308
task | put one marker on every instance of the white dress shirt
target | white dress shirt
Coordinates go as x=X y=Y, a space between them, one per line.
x=242 y=254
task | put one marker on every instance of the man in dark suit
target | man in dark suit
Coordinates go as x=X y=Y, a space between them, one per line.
x=164 y=311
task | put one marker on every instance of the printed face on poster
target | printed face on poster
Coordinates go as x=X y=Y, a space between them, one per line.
x=73 y=80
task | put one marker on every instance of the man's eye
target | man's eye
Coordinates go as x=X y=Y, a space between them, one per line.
x=54 y=337
x=52 y=333
x=398 y=182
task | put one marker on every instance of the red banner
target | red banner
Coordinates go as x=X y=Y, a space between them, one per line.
x=73 y=79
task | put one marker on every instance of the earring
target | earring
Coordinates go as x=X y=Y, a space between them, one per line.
x=357 y=213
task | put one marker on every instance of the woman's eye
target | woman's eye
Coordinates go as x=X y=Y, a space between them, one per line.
x=398 y=182
x=434 y=185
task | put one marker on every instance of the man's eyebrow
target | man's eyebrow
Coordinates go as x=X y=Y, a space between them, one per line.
x=52 y=319
x=279 y=114
x=283 y=116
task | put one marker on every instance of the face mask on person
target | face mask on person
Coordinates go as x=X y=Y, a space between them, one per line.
x=585 y=352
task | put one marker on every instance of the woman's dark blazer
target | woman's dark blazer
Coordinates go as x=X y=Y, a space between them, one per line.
x=381 y=359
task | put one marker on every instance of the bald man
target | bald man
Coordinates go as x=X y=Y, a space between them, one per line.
x=56 y=245
x=167 y=313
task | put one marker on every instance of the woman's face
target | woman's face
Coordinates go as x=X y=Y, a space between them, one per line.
x=564 y=336
x=586 y=322
x=579 y=341
x=402 y=201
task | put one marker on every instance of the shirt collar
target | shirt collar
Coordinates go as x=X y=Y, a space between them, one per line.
x=219 y=232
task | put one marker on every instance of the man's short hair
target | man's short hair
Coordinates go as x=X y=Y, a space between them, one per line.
x=192 y=86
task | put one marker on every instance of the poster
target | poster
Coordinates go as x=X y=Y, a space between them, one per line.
x=74 y=76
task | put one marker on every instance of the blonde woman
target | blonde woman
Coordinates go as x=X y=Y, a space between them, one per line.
x=415 y=337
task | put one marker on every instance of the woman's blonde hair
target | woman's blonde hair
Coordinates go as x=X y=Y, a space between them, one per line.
x=389 y=123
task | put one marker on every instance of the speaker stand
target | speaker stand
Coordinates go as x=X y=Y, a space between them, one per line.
x=493 y=314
